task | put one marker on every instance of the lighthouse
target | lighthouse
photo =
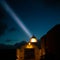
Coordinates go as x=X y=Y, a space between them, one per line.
x=29 y=51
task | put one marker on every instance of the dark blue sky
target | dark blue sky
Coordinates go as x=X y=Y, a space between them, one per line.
x=38 y=16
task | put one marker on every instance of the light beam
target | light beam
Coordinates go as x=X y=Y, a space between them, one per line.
x=15 y=18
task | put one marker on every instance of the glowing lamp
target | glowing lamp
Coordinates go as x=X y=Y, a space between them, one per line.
x=29 y=43
x=29 y=46
x=33 y=39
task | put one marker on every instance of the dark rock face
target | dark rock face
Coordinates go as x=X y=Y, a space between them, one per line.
x=53 y=39
x=52 y=43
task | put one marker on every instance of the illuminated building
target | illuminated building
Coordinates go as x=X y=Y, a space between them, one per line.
x=29 y=51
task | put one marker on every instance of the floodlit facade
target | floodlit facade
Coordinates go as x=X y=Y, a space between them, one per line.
x=29 y=51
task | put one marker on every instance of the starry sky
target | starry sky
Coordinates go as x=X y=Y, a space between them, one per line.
x=39 y=16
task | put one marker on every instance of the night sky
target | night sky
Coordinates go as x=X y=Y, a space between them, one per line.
x=39 y=16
